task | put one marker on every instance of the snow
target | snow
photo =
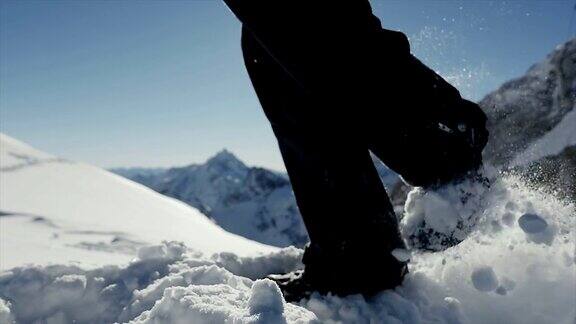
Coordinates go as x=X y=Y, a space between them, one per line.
x=433 y=219
x=523 y=111
x=484 y=279
x=265 y=297
x=554 y=142
x=532 y=224
x=80 y=214
x=5 y=315
x=509 y=268
x=167 y=283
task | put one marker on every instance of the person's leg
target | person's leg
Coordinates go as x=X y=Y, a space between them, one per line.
x=369 y=81
x=349 y=218
x=330 y=49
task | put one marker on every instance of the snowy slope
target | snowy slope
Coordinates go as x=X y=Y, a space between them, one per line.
x=552 y=143
x=517 y=266
x=59 y=211
x=523 y=110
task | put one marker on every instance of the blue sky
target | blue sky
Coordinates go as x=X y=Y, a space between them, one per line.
x=162 y=83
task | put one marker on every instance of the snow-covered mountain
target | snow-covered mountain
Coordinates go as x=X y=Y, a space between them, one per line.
x=532 y=121
x=250 y=201
x=59 y=211
x=524 y=110
x=517 y=266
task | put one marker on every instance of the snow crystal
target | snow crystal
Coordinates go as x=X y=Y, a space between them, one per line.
x=484 y=279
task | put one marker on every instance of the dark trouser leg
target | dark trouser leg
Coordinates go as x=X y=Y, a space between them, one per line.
x=342 y=201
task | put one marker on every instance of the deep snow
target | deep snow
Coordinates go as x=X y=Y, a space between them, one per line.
x=517 y=265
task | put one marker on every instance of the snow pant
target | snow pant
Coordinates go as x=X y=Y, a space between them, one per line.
x=334 y=86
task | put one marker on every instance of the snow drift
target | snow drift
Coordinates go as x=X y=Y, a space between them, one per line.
x=165 y=284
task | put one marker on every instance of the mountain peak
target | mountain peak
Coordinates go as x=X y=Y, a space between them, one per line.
x=223 y=155
x=226 y=158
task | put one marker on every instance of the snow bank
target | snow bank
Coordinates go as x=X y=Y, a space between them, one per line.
x=168 y=283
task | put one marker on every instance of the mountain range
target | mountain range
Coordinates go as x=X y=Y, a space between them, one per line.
x=249 y=201
x=253 y=202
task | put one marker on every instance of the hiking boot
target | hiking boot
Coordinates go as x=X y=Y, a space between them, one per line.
x=367 y=277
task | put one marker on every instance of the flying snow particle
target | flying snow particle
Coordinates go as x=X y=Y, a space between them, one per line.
x=484 y=279
x=508 y=219
x=401 y=255
x=532 y=223
x=501 y=291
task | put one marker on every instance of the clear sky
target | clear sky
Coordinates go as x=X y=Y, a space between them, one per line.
x=162 y=83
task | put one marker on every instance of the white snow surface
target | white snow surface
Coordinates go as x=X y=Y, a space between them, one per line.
x=501 y=273
x=560 y=137
x=58 y=211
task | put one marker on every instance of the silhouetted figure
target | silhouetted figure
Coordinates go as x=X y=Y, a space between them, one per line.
x=335 y=85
